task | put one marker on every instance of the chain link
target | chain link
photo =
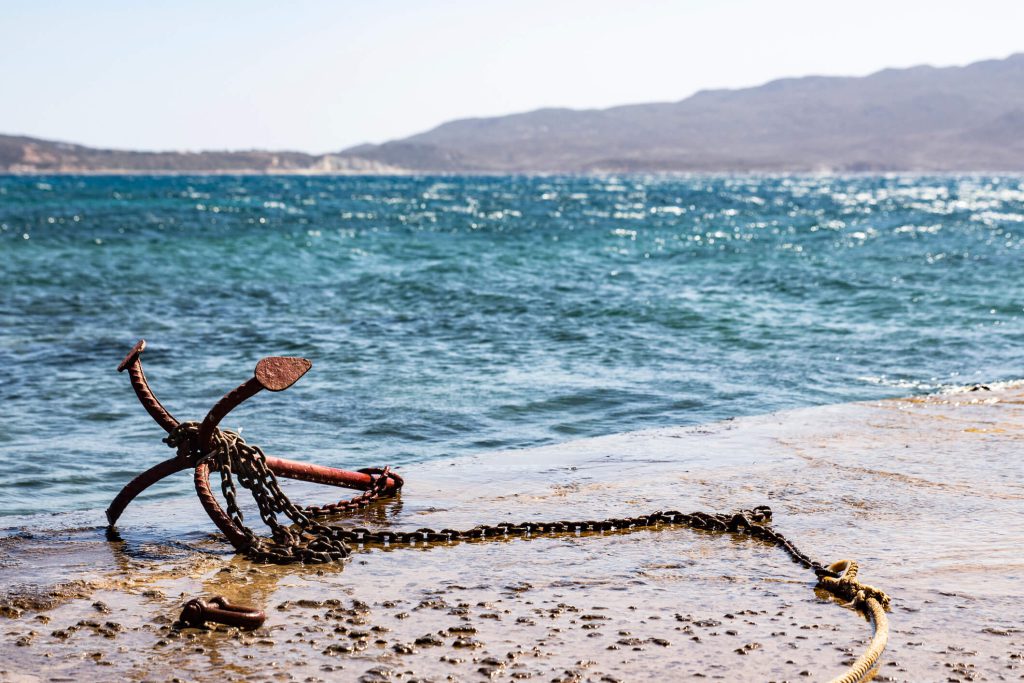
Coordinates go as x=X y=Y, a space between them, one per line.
x=308 y=541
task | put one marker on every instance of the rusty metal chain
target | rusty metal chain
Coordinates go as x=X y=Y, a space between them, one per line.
x=306 y=540
x=311 y=542
x=297 y=537
x=749 y=521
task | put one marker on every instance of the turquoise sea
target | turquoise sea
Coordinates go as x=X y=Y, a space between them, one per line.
x=453 y=315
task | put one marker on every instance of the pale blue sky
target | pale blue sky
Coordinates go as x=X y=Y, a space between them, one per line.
x=321 y=76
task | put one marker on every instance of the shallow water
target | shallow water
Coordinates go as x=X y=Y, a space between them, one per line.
x=471 y=330
x=448 y=316
x=925 y=492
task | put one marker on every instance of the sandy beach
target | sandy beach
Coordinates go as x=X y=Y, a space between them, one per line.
x=924 y=492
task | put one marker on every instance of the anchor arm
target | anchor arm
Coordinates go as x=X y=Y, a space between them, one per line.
x=274 y=373
x=133 y=364
x=141 y=483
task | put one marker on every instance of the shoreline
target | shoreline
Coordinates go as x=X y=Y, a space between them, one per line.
x=405 y=173
x=892 y=484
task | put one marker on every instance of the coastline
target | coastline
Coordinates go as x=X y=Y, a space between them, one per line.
x=922 y=491
x=611 y=172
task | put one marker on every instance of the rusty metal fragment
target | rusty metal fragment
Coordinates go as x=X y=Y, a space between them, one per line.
x=197 y=612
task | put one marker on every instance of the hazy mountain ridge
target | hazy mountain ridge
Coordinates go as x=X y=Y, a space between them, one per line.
x=923 y=118
x=19 y=154
x=917 y=119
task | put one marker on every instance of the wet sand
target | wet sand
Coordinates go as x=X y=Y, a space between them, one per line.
x=926 y=493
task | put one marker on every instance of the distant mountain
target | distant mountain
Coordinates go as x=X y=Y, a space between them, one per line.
x=917 y=119
x=923 y=118
x=31 y=155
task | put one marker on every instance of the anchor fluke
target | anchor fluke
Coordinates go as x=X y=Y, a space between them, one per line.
x=277 y=373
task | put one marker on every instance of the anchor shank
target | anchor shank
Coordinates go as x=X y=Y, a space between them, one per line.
x=319 y=474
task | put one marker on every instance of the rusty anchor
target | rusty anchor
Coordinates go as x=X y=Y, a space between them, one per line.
x=203 y=446
x=273 y=373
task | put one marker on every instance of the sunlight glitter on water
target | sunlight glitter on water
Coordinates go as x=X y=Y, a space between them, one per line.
x=456 y=315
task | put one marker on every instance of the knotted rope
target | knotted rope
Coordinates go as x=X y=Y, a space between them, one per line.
x=862 y=596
